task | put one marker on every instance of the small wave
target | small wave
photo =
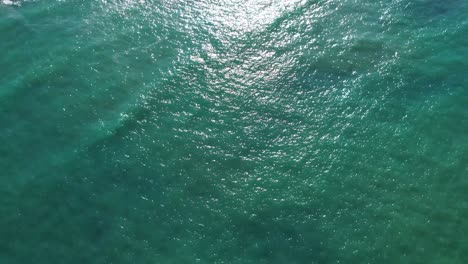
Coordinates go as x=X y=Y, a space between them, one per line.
x=9 y=2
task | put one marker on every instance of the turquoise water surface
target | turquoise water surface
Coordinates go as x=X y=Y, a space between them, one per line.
x=233 y=131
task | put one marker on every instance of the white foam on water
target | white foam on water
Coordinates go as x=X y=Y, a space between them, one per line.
x=9 y=2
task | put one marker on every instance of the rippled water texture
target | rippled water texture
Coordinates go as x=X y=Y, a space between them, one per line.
x=233 y=131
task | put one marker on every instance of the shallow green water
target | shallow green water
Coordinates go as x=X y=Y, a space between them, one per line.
x=234 y=131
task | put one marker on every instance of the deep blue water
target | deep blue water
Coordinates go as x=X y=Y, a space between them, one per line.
x=255 y=131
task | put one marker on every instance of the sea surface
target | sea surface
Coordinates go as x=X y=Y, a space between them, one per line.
x=233 y=131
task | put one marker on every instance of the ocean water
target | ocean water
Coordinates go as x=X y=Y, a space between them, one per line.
x=253 y=131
